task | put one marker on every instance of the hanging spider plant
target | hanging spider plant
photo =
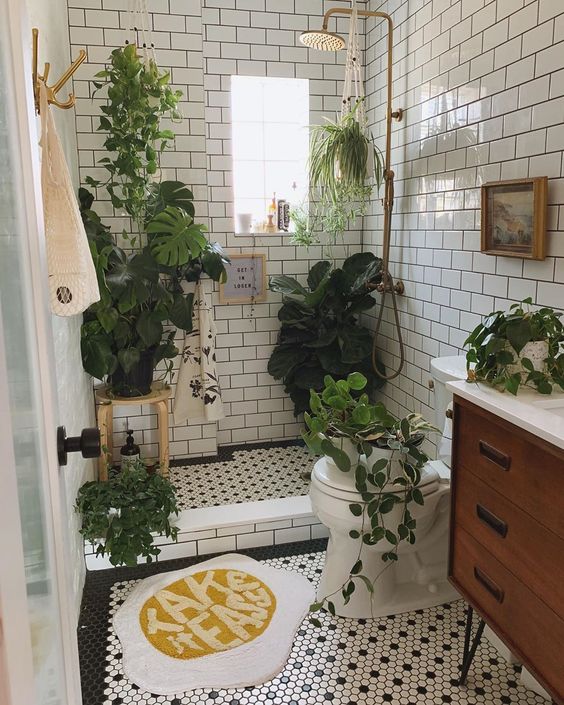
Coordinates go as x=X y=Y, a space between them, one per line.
x=342 y=156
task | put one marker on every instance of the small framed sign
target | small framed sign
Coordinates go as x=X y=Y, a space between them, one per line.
x=514 y=217
x=246 y=280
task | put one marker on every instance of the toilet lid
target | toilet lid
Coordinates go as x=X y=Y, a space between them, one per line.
x=338 y=484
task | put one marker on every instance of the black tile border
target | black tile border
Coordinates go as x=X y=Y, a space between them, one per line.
x=226 y=452
x=95 y=608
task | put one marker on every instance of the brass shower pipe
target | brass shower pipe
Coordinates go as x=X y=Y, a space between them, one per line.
x=327 y=40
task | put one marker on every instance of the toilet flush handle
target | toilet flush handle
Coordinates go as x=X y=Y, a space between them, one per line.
x=449 y=414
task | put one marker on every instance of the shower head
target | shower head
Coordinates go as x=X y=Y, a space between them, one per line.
x=322 y=39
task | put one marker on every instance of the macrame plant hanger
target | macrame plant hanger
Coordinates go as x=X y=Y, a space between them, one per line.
x=139 y=29
x=353 y=89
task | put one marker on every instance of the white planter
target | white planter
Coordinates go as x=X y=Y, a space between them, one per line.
x=536 y=351
x=348 y=447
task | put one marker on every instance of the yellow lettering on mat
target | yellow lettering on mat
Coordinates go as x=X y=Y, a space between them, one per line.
x=207 y=613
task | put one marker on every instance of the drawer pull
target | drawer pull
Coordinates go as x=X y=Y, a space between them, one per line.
x=495 y=455
x=489 y=584
x=495 y=523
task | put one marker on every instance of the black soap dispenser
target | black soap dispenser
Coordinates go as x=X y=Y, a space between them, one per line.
x=130 y=452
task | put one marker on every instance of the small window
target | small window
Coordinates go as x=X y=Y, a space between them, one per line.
x=270 y=139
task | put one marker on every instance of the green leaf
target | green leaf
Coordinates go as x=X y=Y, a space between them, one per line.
x=357 y=567
x=317 y=274
x=340 y=458
x=149 y=327
x=286 y=285
x=354 y=534
x=108 y=317
x=97 y=357
x=128 y=358
x=356 y=381
x=177 y=238
x=417 y=496
x=519 y=333
x=181 y=311
x=366 y=582
x=356 y=509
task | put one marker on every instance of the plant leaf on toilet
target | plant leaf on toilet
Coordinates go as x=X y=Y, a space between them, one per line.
x=358 y=435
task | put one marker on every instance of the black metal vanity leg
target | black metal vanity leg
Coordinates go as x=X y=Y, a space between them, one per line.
x=470 y=650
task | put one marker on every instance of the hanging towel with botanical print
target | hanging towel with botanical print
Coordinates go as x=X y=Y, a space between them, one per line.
x=198 y=396
x=73 y=284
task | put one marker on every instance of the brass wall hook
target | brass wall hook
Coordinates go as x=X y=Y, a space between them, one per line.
x=54 y=89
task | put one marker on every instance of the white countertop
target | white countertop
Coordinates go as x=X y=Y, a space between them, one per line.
x=540 y=414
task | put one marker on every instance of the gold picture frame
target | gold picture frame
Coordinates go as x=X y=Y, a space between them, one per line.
x=514 y=218
x=246 y=280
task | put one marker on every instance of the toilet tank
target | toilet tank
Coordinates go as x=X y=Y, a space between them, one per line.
x=443 y=370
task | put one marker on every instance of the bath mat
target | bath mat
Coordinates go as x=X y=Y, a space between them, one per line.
x=225 y=623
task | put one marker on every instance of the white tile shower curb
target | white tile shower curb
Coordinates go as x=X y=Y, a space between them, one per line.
x=234 y=526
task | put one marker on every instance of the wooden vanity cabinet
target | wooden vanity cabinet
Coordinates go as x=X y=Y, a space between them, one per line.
x=506 y=552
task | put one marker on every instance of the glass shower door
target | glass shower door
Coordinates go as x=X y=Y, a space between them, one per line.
x=33 y=652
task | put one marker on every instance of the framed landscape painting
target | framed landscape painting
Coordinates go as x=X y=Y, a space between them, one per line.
x=514 y=217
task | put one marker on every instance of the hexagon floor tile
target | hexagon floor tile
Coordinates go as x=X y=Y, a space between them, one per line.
x=242 y=474
x=408 y=659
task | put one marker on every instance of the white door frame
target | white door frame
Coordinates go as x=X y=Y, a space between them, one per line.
x=27 y=152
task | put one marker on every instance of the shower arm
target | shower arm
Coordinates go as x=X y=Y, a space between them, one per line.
x=386 y=285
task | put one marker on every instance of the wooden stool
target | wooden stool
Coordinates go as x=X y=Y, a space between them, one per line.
x=158 y=397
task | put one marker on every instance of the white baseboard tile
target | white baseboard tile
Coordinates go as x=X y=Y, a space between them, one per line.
x=259 y=538
x=296 y=533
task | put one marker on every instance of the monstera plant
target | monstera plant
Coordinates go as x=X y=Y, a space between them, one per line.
x=320 y=332
x=127 y=333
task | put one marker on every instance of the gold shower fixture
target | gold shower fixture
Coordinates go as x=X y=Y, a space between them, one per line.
x=55 y=88
x=328 y=41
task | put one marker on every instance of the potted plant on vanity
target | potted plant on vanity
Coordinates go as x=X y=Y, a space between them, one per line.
x=382 y=458
x=120 y=517
x=521 y=347
x=142 y=273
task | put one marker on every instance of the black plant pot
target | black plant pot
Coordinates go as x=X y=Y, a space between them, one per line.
x=137 y=382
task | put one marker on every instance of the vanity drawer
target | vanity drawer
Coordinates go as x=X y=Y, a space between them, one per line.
x=509 y=460
x=529 y=627
x=533 y=553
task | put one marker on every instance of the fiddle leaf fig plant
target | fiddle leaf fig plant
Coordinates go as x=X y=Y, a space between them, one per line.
x=120 y=516
x=521 y=347
x=320 y=331
x=384 y=460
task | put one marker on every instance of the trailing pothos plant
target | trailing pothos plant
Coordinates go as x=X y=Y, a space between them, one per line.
x=141 y=282
x=320 y=332
x=342 y=157
x=120 y=516
x=138 y=97
x=385 y=469
x=498 y=349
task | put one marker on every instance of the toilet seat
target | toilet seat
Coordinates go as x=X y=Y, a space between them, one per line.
x=339 y=485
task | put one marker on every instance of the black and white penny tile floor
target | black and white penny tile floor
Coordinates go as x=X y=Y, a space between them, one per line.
x=408 y=659
x=243 y=474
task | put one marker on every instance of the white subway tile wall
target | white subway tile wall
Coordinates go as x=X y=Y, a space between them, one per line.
x=204 y=42
x=481 y=84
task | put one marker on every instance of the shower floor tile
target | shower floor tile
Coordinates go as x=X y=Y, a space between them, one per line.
x=408 y=659
x=243 y=474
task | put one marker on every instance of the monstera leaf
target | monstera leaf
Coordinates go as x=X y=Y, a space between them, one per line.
x=170 y=193
x=177 y=238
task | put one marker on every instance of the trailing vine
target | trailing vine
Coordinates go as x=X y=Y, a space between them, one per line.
x=139 y=96
x=340 y=414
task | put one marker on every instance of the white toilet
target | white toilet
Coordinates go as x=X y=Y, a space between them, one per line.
x=419 y=578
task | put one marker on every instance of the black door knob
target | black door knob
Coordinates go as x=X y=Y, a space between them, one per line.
x=88 y=443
